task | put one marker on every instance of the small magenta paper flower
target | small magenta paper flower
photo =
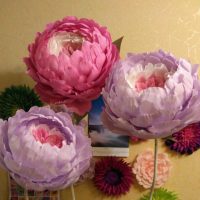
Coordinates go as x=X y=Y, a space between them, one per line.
x=151 y=95
x=43 y=150
x=144 y=166
x=70 y=60
x=113 y=176
x=185 y=141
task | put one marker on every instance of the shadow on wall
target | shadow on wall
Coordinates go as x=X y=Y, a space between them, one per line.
x=10 y=78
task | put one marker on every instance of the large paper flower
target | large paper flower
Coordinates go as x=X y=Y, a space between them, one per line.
x=70 y=61
x=151 y=95
x=144 y=166
x=43 y=150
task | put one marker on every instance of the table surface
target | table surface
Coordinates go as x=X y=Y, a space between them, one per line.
x=172 y=25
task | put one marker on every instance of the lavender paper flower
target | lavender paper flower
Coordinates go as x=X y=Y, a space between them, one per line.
x=151 y=95
x=43 y=150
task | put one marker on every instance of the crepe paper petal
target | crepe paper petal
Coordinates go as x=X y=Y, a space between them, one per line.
x=113 y=176
x=70 y=61
x=185 y=141
x=89 y=173
x=151 y=95
x=144 y=166
x=161 y=194
x=43 y=150
x=17 y=97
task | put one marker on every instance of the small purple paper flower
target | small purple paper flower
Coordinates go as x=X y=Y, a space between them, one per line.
x=43 y=150
x=151 y=95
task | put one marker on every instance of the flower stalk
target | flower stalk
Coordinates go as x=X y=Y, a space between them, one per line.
x=72 y=191
x=26 y=194
x=155 y=169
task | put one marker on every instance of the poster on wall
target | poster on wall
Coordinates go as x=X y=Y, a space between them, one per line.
x=105 y=142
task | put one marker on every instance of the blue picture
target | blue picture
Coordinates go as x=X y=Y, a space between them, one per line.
x=100 y=136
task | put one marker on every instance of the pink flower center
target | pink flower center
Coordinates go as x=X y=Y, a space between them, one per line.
x=65 y=42
x=44 y=135
x=72 y=45
x=152 y=81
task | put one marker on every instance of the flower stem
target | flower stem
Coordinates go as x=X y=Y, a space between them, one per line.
x=26 y=194
x=155 y=169
x=72 y=191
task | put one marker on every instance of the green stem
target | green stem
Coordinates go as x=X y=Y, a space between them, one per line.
x=155 y=169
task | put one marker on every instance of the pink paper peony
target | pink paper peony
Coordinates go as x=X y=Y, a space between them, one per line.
x=70 y=61
x=144 y=167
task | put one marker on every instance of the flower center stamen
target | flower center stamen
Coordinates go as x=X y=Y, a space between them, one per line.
x=44 y=135
x=113 y=177
x=151 y=81
x=66 y=42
